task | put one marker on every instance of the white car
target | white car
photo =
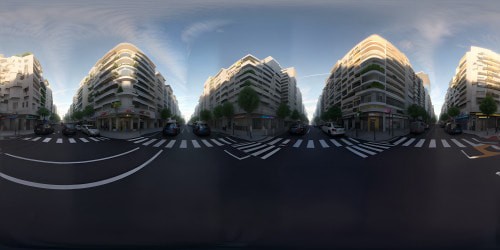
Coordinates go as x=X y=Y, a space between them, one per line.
x=90 y=130
x=333 y=129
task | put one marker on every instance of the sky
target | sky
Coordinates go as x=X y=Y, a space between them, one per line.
x=193 y=39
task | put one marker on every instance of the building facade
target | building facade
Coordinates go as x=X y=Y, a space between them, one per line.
x=23 y=90
x=477 y=75
x=273 y=84
x=373 y=84
x=126 y=91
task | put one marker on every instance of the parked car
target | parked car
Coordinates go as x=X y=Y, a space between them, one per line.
x=453 y=128
x=90 y=130
x=201 y=129
x=417 y=127
x=69 y=129
x=44 y=129
x=171 y=129
x=333 y=129
x=297 y=129
x=78 y=127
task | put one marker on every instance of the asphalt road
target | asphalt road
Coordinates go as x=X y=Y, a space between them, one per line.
x=429 y=190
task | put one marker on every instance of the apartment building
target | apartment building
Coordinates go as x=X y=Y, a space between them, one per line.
x=273 y=84
x=477 y=75
x=427 y=93
x=23 y=90
x=126 y=91
x=373 y=84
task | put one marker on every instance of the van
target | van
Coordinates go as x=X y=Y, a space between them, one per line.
x=417 y=127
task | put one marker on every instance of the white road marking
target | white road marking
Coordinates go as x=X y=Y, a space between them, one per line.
x=79 y=186
x=310 y=144
x=137 y=138
x=244 y=157
x=83 y=140
x=183 y=144
x=26 y=139
x=410 y=141
x=195 y=144
x=149 y=142
x=285 y=142
x=216 y=142
x=472 y=144
x=47 y=140
x=36 y=139
x=72 y=162
x=255 y=148
x=206 y=143
x=336 y=143
x=159 y=143
x=94 y=139
x=356 y=152
x=354 y=140
x=297 y=143
x=346 y=141
x=138 y=141
x=275 y=141
x=420 y=143
x=71 y=140
x=376 y=145
x=495 y=147
x=170 y=144
x=103 y=138
x=263 y=150
x=248 y=145
x=242 y=144
x=445 y=143
x=224 y=141
x=59 y=140
x=371 y=148
x=364 y=150
x=270 y=153
x=323 y=144
x=432 y=144
x=233 y=141
x=400 y=140
x=476 y=140
x=458 y=143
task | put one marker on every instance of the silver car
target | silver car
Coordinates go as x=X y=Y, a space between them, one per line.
x=90 y=130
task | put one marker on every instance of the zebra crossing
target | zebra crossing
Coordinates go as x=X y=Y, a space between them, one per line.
x=437 y=143
x=64 y=140
x=182 y=143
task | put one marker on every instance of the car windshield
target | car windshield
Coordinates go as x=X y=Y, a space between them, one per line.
x=69 y=125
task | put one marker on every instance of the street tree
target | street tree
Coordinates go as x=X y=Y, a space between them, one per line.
x=217 y=113
x=295 y=115
x=54 y=117
x=453 y=112
x=165 y=113
x=206 y=115
x=43 y=112
x=248 y=99
x=283 y=111
x=228 y=111
x=444 y=117
x=77 y=115
x=334 y=113
x=488 y=106
x=88 y=111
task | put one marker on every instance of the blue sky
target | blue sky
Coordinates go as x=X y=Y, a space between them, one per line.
x=191 y=40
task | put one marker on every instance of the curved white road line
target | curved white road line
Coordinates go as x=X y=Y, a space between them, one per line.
x=72 y=162
x=78 y=186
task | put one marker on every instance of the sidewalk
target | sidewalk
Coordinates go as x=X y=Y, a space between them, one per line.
x=128 y=135
x=9 y=134
x=490 y=135
x=377 y=136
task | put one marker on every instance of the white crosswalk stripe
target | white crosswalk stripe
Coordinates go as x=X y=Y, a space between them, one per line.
x=231 y=140
x=356 y=152
x=256 y=147
x=346 y=142
x=138 y=141
x=285 y=142
x=323 y=144
x=83 y=140
x=242 y=144
x=364 y=150
x=195 y=144
x=71 y=140
x=297 y=143
x=275 y=141
x=432 y=144
x=170 y=144
x=183 y=144
x=445 y=143
x=103 y=138
x=93 y=139
x=471 y=143
x=59 y=140
x=149 y=142
x=47 y=140
x=248 y=145
x=263 y=150
x=399 y=141
x=159 y=143
x=406 y=144
x=27 y=139
x=36 y=139
x=377 y=145
x=336 y=143
x=354 y=140
x=310 y=144
x=224 y=141
x=371 y=148
x=270 y=153
x=420 y=143
x=206 y=143
x=137 y=138
x=216 y=142
x=458 y=143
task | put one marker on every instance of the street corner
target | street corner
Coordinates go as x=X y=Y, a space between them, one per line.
x=485 y=151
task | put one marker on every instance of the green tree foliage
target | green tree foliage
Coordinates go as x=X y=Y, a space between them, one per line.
x=218 y=112
x=488 y=106
x=228 y=110
x=54 y=117
x=248 y=99
x=88 y=111
x=43 y=112
x=453 y=112
x=283 y=111
x=77 y=115
x=206 y=115
x=333 y=113
x=193 y=119
x=444 y=117
x=295 y=115
x=415 y=111
x=165 y=113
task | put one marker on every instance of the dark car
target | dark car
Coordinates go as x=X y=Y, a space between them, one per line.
x=297 y=129
x=171 y=129
x=453 y=128
x=69 y=129
x=201 y=129
x=44 y=129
